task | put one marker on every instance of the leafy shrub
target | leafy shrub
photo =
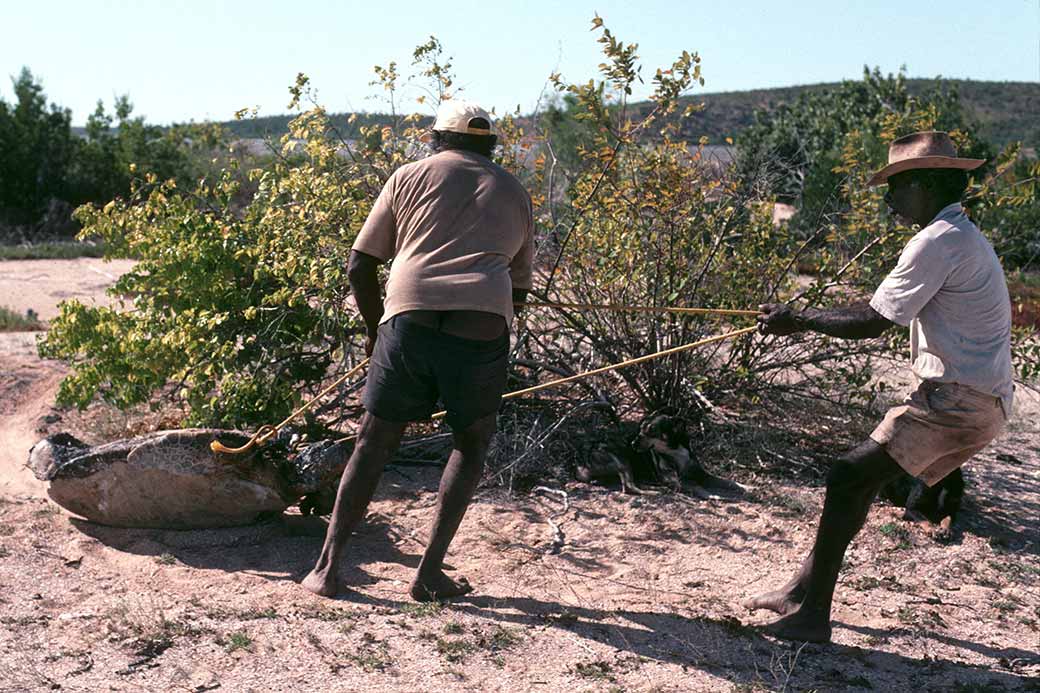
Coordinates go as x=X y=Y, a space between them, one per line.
x=825 y=149
x=795 y=150
x=37 y=145
x=45 y=168
x=239 y=305
x=12 y=321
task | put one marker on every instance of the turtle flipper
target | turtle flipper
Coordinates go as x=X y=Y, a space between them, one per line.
x=318 y=503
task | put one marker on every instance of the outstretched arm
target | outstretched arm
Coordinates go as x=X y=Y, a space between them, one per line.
x=857 y=321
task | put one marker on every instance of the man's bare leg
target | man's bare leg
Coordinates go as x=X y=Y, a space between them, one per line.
x=806 y=600
x=378 y=440
x=458 y=483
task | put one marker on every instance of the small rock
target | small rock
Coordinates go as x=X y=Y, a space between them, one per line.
x=203 y=680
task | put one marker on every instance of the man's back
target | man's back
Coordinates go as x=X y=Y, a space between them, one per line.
x=460 y=231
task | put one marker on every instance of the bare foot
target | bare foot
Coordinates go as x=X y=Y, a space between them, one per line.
x=438 y=586
x=782 y=601
x=805 y=627
x=321 y=582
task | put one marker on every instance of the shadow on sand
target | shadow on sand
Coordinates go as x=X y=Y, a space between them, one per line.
x=739 y=654
x=285 y=548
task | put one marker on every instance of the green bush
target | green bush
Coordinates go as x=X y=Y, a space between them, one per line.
x=795 y=151
x=51 y=250
x=38 y=148
x=239 y=305
x=11 y=321
x=45 y=168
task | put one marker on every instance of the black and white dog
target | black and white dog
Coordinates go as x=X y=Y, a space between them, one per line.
x=937 y=504
x=658 y=454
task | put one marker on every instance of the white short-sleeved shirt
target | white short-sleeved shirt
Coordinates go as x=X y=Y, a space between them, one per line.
x=949 y=288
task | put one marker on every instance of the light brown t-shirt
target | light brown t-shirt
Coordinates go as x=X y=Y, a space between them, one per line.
x=460 y=231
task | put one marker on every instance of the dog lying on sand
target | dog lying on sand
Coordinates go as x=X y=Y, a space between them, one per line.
x=658 y=454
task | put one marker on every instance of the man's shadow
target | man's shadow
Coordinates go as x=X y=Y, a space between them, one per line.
x=284 y=547
x=739 y=654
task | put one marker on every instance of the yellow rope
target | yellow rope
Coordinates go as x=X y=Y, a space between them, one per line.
x=642 y=309
x=605 y=369
x=265 y=433
x=631 y=362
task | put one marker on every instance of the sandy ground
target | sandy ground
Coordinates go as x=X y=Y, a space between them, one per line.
x=643 y=596
x=40 y=284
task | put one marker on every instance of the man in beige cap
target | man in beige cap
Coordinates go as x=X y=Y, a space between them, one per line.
x=460 y=232
x=949 y=289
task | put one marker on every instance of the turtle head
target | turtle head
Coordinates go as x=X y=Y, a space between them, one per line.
x=319 y=465
x=48 y=456
x=315 y=475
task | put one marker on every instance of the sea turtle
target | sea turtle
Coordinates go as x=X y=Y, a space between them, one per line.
x=173 y=480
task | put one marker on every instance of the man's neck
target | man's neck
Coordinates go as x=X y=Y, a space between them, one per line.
x=932 y=211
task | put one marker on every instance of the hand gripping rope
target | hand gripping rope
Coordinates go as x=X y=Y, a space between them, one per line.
x=265 y=433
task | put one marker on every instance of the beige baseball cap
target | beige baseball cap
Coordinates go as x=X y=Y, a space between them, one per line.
x=456 y=115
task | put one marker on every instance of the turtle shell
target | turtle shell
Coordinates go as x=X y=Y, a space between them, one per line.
x=168 y=479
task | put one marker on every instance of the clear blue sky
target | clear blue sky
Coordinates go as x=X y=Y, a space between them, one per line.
x=185 y=60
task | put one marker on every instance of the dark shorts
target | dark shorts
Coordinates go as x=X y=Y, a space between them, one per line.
x=413 y=366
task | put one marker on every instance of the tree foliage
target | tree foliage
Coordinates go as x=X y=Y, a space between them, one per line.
x=38 y=149
x=795 y=150
x=243 y=306
x=239 y=307
x=44 y=163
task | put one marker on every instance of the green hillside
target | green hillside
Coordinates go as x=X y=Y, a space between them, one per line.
x=1006 y=111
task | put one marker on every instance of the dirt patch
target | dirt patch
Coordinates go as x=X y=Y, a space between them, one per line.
x=39 y=285
x=27 y=388
x=643 y=594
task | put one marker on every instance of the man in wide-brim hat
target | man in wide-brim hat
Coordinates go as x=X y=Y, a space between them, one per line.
x=949 y=289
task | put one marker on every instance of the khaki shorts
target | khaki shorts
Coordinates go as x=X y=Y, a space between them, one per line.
x=938 y=428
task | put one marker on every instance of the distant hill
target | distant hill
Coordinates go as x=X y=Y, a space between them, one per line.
x=1006 y=111
x=276 y=126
